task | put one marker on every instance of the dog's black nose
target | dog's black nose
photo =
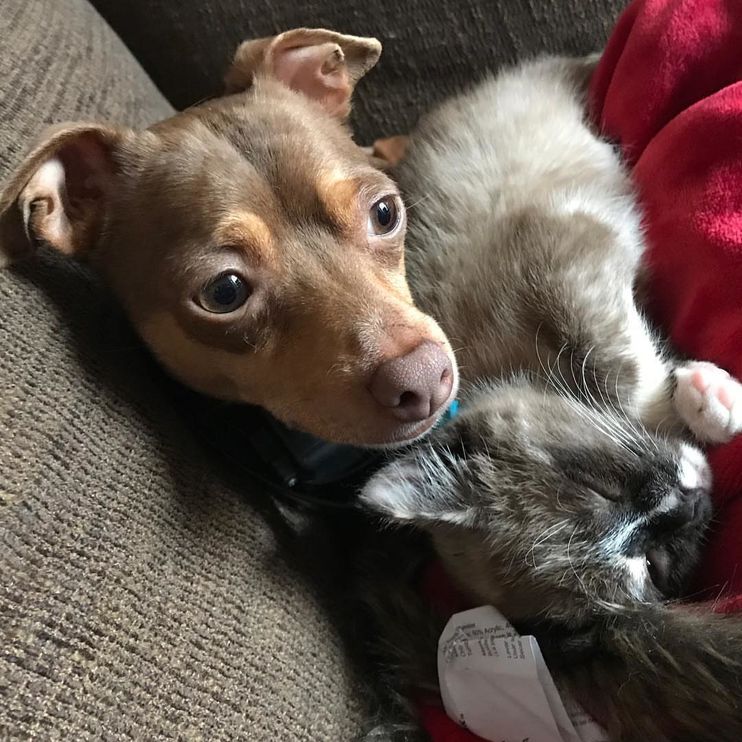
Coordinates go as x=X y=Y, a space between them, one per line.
x=414 y=386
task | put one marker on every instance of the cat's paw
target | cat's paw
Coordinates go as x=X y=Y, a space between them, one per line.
x=709 y=401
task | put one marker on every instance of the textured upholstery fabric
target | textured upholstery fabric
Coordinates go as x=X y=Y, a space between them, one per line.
x=140 y=597
x=59 y=61
x=431 y=47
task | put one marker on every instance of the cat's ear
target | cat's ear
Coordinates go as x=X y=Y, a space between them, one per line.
x=421 y=488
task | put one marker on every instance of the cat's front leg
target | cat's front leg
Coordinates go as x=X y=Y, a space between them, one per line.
x=669 y=395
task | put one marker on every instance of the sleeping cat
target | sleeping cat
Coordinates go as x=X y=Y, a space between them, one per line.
x=567 y=492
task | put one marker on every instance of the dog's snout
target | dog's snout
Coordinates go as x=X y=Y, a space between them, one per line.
x=416 y=385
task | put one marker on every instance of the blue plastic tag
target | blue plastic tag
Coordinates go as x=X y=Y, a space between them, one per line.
x=450 y=413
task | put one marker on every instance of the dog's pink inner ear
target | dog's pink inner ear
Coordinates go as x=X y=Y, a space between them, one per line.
x=64 y=201
x=323 y=65
x=320 y=72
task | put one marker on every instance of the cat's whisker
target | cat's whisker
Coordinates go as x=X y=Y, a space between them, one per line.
x=604 y=400
x=603 y=424
x=586 y=389
x=609 y=420
x=576 y=574
x=415 y=204
x=546 y=534
x=630 y=420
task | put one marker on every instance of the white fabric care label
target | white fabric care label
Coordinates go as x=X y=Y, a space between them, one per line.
x=495 y=683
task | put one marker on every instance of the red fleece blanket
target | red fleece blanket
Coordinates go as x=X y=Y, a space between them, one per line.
x=669 y=90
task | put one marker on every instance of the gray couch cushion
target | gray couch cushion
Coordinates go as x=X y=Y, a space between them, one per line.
x=431 y=47
x=141 y=596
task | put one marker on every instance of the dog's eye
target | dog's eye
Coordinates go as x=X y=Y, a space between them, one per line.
x=383 y=216
x=224 y=294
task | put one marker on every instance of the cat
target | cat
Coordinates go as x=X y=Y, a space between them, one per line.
x=569 y=491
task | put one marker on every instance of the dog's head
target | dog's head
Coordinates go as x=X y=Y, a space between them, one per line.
x=256 y=248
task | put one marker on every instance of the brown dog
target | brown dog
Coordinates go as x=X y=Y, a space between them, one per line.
x=254 y=246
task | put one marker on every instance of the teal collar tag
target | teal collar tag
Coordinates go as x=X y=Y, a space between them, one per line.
x=450 y=413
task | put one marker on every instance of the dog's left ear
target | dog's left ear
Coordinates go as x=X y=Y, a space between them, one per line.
x=323 y=65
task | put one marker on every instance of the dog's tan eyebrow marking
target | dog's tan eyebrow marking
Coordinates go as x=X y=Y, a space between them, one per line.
x=338 y=194
x=248 y=231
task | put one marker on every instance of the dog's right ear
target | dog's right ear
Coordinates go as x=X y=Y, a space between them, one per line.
x=58 y=195
x=323 y=65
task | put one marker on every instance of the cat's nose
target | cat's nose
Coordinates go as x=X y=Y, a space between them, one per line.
x=683 y=507
x=696 y=506
x=416 y=385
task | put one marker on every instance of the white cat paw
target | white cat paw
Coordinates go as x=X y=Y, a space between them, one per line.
x=709 y=401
